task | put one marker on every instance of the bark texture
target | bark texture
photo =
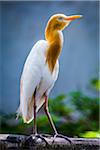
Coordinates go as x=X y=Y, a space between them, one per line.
x=20 y=142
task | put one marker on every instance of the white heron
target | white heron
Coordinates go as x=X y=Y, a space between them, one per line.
x=41 y=70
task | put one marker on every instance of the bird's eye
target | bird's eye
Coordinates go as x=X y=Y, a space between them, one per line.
x=60 y=18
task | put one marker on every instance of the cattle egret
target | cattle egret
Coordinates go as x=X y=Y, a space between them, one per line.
x=41 y=70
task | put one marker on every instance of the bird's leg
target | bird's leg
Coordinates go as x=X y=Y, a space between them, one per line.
x=51 y=122
x=35 y=136
x=30 y=138
x=34 y=127
x=48 y=114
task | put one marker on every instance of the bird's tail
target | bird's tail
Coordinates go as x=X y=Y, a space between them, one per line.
x=27 y=111
x=18 y=113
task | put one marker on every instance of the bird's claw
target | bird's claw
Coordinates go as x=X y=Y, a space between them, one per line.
x=34 y=138
x=65 y=137
x=42 y=137
x=62 y=136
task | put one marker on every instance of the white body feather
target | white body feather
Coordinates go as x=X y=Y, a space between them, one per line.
x=36 y=74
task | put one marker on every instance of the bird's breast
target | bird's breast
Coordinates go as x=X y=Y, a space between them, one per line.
x=48 y=79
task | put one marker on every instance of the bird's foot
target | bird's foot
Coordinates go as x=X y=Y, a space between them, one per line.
x=42 y=138
x=62 y=136
x=34 y=138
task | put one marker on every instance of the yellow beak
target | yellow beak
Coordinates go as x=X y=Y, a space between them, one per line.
x=73 y=17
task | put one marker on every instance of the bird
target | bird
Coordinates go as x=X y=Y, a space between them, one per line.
x=41 y=70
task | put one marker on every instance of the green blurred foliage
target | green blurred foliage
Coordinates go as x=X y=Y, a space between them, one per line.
x=95 y=83
x=74 y=114
x=93 y=134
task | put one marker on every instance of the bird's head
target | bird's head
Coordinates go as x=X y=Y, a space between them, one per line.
x=60 y=21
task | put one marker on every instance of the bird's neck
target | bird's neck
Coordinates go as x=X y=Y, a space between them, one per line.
x=55 y=40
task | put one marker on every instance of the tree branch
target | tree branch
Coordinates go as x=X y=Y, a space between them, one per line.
x=19 y=142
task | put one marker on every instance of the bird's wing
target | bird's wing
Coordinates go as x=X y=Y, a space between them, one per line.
x=41 y=101
x=31 y=77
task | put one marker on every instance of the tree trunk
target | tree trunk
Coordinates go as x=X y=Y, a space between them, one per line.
x=20 y=142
